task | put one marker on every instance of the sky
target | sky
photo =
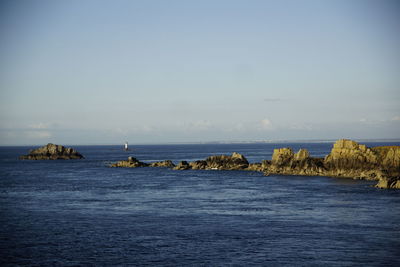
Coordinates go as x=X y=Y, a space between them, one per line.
x=106 y=72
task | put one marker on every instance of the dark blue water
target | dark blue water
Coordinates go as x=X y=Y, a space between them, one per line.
x=81 y=212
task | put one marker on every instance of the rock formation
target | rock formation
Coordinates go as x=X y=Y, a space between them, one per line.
x=386 y=183
x=165 y=164
x=183 y=165
x=52 y=152
x=223 y=162
x=235 y=161
x=346 y=159
x=130 y=163
x=284 y=161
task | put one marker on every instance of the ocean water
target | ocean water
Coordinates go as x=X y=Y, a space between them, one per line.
x=83 y=213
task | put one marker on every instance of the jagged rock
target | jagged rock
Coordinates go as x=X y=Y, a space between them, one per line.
x=347 y=154
x=388 y=155
x=130 y=163
x=261 y=167
x=350 y=159
x=255 y=167
x=219 y=162
x=52 y=152
x=198 y=165
x=165 y=163
x=224 y=162
x=183 y=165
x=282 y=156
x=388 y=183
x=346 y=159
x=302 y=154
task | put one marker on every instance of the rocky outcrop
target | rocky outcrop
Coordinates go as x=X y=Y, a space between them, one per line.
x=235 y=161
x=350 y=159
x=130 y=163
x=183 y=165
x=282 y=156
x=389 y=183
x=198 y=165
x=135 y=163
x=52 y=152
x=388 y=156
x=349 y=155
x=347 y=159
x=284 y=161
x=165 y=164
x=224 y=162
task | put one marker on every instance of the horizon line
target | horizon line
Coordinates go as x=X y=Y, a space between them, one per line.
x=330 y=140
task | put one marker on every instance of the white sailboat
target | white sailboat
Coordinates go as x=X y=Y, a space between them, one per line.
x=126 y=146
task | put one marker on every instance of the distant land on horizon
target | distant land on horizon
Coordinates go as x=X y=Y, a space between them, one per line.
x=361 y=140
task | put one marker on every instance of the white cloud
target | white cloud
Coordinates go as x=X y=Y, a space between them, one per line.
x=200 y=125
x=239 y=127
x=43 y=125
x=38 y=134
x=119 y=131
x=266 y=124
x=396 y=118
x=147 y=128
x=301 y=126
x=272 y=99
x=39 y=125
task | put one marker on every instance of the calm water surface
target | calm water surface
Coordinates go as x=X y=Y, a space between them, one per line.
x=81 y=212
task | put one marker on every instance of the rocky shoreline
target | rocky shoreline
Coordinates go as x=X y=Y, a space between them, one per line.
x=347 y=159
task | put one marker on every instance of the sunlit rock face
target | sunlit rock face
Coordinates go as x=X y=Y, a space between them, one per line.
x=349 y=154
x=346 y=159
x=282 y=156
x=284 y=161
x=52 y=152
x=388 y=155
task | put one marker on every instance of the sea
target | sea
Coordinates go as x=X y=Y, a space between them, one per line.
x=84 y=213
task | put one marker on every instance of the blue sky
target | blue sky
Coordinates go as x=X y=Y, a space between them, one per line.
x=103 y=72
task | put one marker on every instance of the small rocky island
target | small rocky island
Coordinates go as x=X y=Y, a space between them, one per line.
x=52 y=152
x=347 y=159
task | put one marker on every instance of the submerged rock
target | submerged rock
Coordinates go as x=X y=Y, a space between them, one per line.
x=52 y=152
